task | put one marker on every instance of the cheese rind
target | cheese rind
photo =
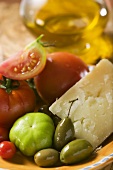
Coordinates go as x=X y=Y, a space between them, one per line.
x=89 y=104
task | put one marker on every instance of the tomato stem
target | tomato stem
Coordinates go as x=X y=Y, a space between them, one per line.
x=38 y=40
x=44 y=44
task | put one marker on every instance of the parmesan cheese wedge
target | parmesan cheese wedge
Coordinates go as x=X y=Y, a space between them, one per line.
x=89 y=104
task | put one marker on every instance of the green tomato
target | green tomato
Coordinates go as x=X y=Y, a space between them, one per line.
x=32 y=132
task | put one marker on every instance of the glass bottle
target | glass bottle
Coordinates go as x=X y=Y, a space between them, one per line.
x=71 y=25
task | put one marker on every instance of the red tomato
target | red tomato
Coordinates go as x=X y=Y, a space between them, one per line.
x=62 y=71
x=0 y=76
x=7 y=149
x=4 y=134
x=25 y=64
x=15 y=101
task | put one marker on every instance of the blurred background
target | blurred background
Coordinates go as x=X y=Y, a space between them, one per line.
x=15 y=33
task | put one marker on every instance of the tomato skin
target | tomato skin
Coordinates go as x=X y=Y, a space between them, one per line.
x=4 y=134
x=61 y=72
x=16 y=103
x=0 y=76
x=7 y=149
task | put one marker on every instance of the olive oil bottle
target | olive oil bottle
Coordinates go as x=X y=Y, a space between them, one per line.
x=70 y=25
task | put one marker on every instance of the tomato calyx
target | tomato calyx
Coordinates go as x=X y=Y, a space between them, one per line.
x=32 y=86
x=9 y=84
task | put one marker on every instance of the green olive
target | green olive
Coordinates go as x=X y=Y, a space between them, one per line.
x=46 y=157
x=64 y=133
x=76 y=151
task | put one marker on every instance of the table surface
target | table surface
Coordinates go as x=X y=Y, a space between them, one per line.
x=13 y=33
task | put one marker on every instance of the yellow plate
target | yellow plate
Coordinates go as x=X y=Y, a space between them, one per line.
x=101 y=159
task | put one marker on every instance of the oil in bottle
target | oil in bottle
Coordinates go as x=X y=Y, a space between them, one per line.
x=72 y=25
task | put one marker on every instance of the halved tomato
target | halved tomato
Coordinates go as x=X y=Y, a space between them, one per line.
x=25 y=64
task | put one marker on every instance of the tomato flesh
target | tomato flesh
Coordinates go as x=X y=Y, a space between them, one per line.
x=31 y=62
x=61 y=72
x=7 y=149
x=25 y=64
